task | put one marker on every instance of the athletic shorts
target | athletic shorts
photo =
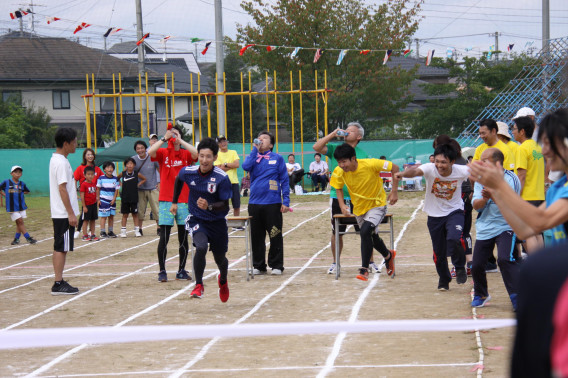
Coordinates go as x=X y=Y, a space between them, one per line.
x=91 y=214
x=106 y=209
x=216 y=232
x=129 y=207
x=167 y=218
x=374 y=216
x=62 y=235
x=146 y=197
x=536 y=203
x=17 y=215
x=335 y=209
x=236 y=199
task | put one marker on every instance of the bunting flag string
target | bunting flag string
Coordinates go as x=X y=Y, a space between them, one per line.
x=429 y=57
x=242 y=51
x=82 y=25
x=364 y=52
x=387 y=55
x=406 y=53
x=341 y=56
x=270 y=48
x=206 y=48
x=111 y=31
x=19 y=14
x=510 y=47
x=165 y=39
x=317 y=56
x=141 y=41
x=295 y=52
x=193 y=40
x=52 y=19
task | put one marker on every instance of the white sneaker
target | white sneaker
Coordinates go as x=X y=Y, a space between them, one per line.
x=137 y=234
x=374 y=268
x=276 y=272
x=123 y=233
x=257 y=272
x=332 y=268
x=76 y=234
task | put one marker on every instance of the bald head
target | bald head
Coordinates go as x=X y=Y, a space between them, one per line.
x=492 y=155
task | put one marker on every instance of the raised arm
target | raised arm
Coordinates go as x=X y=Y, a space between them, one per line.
x=321 y=145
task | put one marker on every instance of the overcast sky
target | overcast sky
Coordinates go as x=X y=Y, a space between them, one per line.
x=462 y=25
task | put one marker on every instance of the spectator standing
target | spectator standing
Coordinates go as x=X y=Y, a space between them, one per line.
x=64 y=206
x=318 y=172
x=269 y=198
x=171 y=160
x=228 y=161
x=148 y=192
x=79 y=175
x=88 y=192
x=295 y=171
x=107 y=192
x=131 y=181
x=14 y=189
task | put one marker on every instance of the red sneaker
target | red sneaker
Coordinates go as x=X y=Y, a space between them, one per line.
x=223 y=290
x=363 y=274
x=390 y=264
x=198 y=291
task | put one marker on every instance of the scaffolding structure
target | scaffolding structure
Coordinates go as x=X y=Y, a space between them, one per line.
x=539 y=87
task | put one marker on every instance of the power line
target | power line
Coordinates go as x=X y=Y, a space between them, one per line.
x=496 y=8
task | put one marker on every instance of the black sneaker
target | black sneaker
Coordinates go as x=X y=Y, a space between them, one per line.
x=15 y=242
x=163 y=276
x=443 y=286
x=491 y=268
x=461 y=276
x=141 y=233
x=104 y=235
x=111 y=234
x=31 y=240
x=183 y=275
x=63 y=288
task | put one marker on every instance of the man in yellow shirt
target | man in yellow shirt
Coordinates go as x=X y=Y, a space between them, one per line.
x=228 y=161
x=505 y=137
x=530 y=170
x=488 y=132
x=362 y=179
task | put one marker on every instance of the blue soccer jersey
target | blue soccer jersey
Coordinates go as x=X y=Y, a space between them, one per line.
x=108 y=186
x=214 y=186
x=14 y=195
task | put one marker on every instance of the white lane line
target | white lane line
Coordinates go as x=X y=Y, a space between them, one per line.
x=480 y=362
x=330 y=361
x=148 y=309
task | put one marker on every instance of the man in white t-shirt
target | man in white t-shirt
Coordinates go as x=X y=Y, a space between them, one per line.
x=444 y=206
x=319 y=171
x=64 y=206
x=295 y=171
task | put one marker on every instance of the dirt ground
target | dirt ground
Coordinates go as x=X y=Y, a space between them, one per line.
x=119 y=287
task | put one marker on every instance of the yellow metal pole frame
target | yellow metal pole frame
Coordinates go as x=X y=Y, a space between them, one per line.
x=114 y=106
x=173 y=102
x=94 y=111
x=147 y=108
x=217 y=102
x=301 y=117
x=166 y=97
x=140 y=91
x=250 y=109
x=292 y=109
x=243 y=114
x=267 y=107
x=120 y=104
x=192 y=119
x=317 y=110
x=225 y=102
x=87 y=101
x=275 y=112
x=199 y=103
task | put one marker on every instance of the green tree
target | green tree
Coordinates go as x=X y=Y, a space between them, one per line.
x=477 y=82
x=363 y=88
x=25 y=127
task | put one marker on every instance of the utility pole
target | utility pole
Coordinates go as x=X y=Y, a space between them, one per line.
x=417 y=48
x=545 y=23
x=141 y=68
x=546 y=55
x=496 y=45
x=220 y=56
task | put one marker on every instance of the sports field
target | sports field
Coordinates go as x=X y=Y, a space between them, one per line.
x=118 y=286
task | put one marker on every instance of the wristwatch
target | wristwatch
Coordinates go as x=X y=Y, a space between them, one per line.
x=225 y=165
x=210 y=207
x=164 y=139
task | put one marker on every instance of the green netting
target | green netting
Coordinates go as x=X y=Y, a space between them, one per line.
x=35 y=163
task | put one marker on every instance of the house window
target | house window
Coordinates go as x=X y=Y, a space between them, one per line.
x=12 y=96
x=61 y=100
x=107 y=103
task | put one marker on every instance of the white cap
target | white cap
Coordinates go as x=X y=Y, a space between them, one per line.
x=503 y=129
x=15 y=167
x=152 y=136
x=524 y=112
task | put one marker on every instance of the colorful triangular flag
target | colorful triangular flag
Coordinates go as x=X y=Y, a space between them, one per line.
x=449 y=52
x=295 y=52
x=510 y=47
x=81 y=26
x=165 y=39
x=429 y=57
x=317 y=56
x=242 y=51
x=193 y=40
x=206 y=48
x=141 y=41
x=387 y=55
x=52 y=19
x=270 y=48
x=406 y=53
x=111 y=31
x=19 y=14
x=341 y=56
x=364 y=52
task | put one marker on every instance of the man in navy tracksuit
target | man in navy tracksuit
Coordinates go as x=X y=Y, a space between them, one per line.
x=269 y=198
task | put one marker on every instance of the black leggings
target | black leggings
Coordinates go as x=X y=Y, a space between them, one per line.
x=163 y=246
x=370 y=239
x=201 y=243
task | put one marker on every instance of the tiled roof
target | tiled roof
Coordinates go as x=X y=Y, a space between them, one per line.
x=423 y=70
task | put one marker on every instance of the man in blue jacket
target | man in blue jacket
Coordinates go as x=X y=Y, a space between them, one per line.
x=269 y=198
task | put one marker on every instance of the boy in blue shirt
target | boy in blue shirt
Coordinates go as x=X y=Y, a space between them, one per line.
x=208 y=204
x=107 y=191
x=14 y=189
x=492 y=229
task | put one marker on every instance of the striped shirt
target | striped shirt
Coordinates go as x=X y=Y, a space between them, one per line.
x=14 y=195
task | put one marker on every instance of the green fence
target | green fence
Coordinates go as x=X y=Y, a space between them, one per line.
x=35 y=163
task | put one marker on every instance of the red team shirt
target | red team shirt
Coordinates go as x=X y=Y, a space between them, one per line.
x=79 y=174
x=171 y=162
x=90 y=190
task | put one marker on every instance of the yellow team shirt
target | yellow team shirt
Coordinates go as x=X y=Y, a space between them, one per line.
x=508 y=164
x=229 y=157
x=513 y=147
x=529 y=157
x=364 y=184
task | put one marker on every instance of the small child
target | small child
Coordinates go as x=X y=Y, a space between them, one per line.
x=14 y=190
x=129 y=196
x=107 y=191
x=88 y=191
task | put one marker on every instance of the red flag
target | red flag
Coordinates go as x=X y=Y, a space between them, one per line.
x=406 y=52
x=319 y=53
x=270 y=48
x=82 y=26
x=245 y=48
x=147 y=35
x=206 y=48
x=52 y=19
x=364 y=52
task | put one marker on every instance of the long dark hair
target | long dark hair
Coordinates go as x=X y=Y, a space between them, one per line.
x=555 y=126
x=85 y=156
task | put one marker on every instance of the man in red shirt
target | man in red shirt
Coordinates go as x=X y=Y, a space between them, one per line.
x=172 y=159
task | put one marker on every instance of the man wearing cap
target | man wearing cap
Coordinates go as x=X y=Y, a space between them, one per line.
x=488 y=132
x=228 y=161
x=505 y=137
x=528 y=112
x=149 y=191
x=530 y=170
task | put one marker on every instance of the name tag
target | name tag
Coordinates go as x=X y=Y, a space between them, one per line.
x=271 y=161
